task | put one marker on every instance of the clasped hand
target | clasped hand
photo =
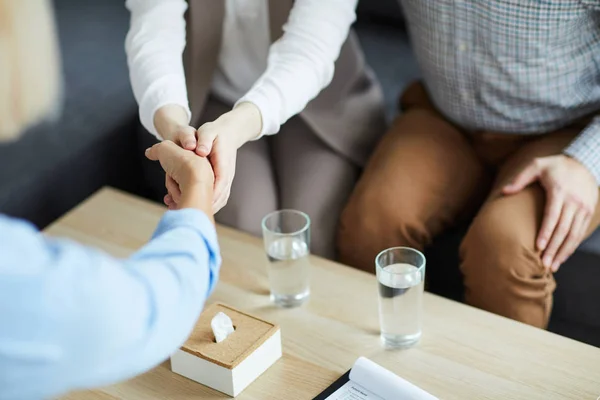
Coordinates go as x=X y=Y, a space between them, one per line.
x=218 y=141
x=192 y=175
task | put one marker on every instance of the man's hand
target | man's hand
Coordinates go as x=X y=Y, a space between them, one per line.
x=571 y=198
x=190 y=178
x=219 y=141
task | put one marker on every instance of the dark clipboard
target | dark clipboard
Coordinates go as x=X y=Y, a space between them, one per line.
x=334 y=386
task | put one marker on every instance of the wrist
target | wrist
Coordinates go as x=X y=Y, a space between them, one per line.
x=247 y=120
x=571 y=160
x=169 y=119
x=199 y=197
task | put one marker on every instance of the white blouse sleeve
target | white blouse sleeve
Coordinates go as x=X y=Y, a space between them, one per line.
x=301 y=62
x=154 y=47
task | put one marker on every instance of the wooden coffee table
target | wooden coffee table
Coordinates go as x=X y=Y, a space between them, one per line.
x=464 y=354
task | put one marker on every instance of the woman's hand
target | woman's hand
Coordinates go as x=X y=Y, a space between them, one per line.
x=191 y=177
x=171 y=123
x=219 y=141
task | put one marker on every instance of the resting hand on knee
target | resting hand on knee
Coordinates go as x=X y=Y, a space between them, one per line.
x=571 y=198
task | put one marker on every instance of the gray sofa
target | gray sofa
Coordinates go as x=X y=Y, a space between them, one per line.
x=56 y=165
x=98 y=142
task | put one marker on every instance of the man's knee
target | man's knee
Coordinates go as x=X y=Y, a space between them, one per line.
x=369 y=225
x=502 y=270
x=352 y=223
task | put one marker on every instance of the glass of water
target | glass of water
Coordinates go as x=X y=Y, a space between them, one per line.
x=400 y=279
x=286 y=235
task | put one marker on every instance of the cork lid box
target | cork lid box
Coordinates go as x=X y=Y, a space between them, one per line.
x=229 y=366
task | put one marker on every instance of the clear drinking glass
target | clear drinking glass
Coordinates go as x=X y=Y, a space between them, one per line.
x=400 y=280
x=286 y=235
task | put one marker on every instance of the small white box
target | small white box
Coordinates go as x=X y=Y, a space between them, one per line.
x=233 y=364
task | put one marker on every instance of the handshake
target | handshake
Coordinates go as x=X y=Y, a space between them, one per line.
x=200 y=164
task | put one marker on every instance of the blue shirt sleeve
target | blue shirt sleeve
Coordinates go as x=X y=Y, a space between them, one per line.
x=72 y=317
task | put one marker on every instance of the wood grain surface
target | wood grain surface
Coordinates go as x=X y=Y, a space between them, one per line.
x=464 y=353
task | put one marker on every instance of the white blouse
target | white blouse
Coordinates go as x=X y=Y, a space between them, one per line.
x=280 y=79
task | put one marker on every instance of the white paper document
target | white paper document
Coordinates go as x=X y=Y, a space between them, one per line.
x=353 y=391
x=370 y=381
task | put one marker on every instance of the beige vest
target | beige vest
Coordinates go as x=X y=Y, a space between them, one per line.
x=348 y=115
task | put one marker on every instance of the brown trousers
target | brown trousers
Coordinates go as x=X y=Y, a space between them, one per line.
x=427 y=175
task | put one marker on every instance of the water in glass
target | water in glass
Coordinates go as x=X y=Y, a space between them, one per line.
x=400 y=303
x=289 y=267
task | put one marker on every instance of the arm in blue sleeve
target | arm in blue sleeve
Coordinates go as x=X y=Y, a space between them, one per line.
x=72 y=317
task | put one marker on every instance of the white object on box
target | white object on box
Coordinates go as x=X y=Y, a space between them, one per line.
x=222 y=326
x=229 y=366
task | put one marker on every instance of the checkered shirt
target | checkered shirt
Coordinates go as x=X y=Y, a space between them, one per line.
x=513 y=66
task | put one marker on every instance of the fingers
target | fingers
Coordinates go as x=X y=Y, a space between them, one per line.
x=224 y=169
x=169 y=155
x=173 y=189
x=206 y=137
x=152 y=152
x=574 y=238
x=163 y=149
x=554 y=205
x=560 y=233
x=523 y=179
x=221 y=201
x=170 y=203
x=221 y=192
x=186 y=138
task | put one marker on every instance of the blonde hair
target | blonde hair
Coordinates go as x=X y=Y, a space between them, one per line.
x=30 y=84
